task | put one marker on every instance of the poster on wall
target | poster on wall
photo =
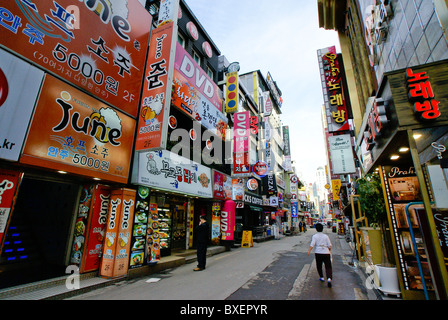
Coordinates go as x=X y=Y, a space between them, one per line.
x=402 y=188
x=73 y=132
x=98 y=46
x=341 y=151
x=167 y=170
x=216 y=223
x=96 y=229
x=16 y=108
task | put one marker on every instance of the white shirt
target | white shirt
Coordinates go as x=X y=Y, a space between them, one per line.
x=321 y=243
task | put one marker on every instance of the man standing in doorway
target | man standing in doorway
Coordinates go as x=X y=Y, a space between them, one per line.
x=201 y=242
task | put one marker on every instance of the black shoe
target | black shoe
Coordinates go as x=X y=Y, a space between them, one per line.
x=329 y=283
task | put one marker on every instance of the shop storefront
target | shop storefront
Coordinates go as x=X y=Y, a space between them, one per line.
x=172 y=192
x=46 y=227
x=405 y=137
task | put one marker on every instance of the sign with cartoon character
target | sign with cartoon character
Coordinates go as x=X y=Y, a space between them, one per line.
x=166 y=170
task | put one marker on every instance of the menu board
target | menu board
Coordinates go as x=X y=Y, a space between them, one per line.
x=152 y=235
x=139 y=230
x=402 y=188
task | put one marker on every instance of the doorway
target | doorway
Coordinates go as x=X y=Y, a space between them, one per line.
x=36 y=242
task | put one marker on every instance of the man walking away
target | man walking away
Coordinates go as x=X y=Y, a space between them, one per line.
x=202 y=241
x=322 y=244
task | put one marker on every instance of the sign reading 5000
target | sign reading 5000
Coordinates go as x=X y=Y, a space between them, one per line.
x=97 y=45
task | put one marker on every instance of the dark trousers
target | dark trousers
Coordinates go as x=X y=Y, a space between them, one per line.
x=326 y=259
x=201 y=253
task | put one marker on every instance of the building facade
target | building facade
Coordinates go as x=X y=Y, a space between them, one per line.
x=395 y=53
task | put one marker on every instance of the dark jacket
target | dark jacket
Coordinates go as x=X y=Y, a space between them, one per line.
x=202 y=233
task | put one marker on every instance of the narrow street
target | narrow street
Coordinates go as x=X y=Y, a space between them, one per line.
x=272 y=270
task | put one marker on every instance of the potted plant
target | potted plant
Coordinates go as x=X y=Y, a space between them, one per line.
x=374 y=207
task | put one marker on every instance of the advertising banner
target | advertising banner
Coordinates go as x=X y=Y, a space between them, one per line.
x=335 y=101
x=16 y=107
x=232 y=92
x=241 y=132
x=9 y=182
x=98 y=46
x=228 y=220
x=124 y=233
x=402 y=188
x=222 y=186
x=96 y=229
x=342 y=158
x=155 y=105
x=216 y=223
x=167 y=170
x=117 y=241
x=197 y=77
x=74 y=132
x=139 y=229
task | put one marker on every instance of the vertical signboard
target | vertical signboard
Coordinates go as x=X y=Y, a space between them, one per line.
x=341 y=150
x=402 y=189
x=333 y=91
x=156 y=94
x=96 y=230
x=16 y=107
x=228 y=220
x=9 y=181
x=124 y=233
x=73 y=132
x=98 y=46
x=241 y=131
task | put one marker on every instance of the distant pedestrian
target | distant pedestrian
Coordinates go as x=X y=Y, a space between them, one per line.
x=300 y=226
x=202 y=235
x=322 y=244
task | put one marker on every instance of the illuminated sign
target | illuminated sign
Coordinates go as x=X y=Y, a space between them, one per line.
x=420 y=93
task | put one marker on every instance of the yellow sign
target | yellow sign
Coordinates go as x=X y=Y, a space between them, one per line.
x=336 y=186
x=247 y=240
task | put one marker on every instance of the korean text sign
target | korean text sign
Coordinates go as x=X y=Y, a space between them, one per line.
x=99 y=46
x=74 y=132
x=156 y=90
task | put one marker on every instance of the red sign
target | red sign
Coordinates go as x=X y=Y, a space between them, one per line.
x=420 y=93
x=9 y=181
x=96 y=229
x=99 y=46
x=74 y=132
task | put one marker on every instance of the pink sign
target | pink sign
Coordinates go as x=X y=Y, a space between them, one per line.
x=228 y=220
x=186 y=65
x=241 y=131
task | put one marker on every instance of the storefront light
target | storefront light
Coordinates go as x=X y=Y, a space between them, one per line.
x=403 y=149
x=96 y=179
x=62 y=172
x=394 y=157
x=417 y=136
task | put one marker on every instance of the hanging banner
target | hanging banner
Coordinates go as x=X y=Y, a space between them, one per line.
x=16 y=107
x=98 y=46
x=73 y=132
x=9 y=182
x=156 y=94
x=222 y=186
x=241 y=132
